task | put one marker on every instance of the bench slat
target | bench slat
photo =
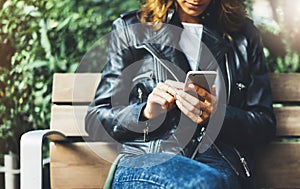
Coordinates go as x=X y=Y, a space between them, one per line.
x=80 y=165
x=80 y=87
x=279 y=165
x=70 y=120
x=285 y=87
x=288 y=121
x=74 y=88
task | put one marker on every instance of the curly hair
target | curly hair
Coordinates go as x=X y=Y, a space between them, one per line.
x=231 y=12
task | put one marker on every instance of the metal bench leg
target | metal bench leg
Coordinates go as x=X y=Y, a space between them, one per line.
x=31 y=159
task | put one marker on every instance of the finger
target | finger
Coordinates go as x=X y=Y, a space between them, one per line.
x=204 y=94
x=167 y=88
x=194 y=104
x=172 y=91
x=188 y=97
x=207 y=107
x=214 y=90
x=194 y=117
x=175 y=84
x=156 y=99
x=162 y=86
x=163 y=94
x=191 y=107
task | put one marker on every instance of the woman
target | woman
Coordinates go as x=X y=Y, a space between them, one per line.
x=164 y=127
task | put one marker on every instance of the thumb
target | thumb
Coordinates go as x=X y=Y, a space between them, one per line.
x=213 y=90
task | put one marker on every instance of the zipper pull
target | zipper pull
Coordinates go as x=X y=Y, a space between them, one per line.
x=247 y=170
x=146 y=131
x=140 y=95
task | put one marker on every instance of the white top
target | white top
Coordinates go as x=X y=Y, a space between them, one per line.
x=190 y=42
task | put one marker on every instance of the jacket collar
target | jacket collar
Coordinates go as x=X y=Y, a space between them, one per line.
x=212 y=36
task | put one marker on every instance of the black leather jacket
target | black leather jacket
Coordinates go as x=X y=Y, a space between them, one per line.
x=132 y=72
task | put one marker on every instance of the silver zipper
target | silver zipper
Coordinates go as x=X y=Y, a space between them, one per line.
x=140 y=95
x=199 y=139
x=157 y=145
x=244 y=163
x=228 y=77
x=146 y=132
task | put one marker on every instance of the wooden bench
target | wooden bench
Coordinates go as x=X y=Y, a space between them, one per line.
x=76 y=162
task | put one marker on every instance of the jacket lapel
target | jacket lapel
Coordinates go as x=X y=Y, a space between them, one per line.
x=213 y=51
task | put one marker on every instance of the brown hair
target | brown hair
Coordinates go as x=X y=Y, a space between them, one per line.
x=231 y=12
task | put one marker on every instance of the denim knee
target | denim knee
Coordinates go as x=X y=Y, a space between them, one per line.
x=166 y=171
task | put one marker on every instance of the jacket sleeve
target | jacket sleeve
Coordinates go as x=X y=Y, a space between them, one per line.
x=110 y=114
x=255 y=122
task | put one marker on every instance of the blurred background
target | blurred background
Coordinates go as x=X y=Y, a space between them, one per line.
x=39 y=38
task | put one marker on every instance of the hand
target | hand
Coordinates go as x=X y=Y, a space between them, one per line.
x=159 y=101
x=194 y=101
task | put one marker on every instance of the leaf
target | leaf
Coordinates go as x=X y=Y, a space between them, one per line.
x=31 y=11
x=64 y=23
x=37 y=64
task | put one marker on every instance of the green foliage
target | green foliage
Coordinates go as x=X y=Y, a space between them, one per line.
x=281 y=36
x=37 y=39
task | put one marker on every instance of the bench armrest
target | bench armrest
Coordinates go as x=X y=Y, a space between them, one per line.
x=31 y=156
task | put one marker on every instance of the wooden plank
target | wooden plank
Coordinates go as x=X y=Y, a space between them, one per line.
x=278 y=165
x=80 y=165
x=70 y=120
x=74 y=87
x=285 y=87
x=288 y=121
x=80 y=87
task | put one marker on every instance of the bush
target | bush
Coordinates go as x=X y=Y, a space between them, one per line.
x=37 y=39
x=281 y=35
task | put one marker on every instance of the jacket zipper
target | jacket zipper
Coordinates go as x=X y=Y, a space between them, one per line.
x=228 y=77
x=244 y=163
x=146 y=132
x=199 y=139
x=154 y=146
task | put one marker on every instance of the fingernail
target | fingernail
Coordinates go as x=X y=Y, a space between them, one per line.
x=192 y=86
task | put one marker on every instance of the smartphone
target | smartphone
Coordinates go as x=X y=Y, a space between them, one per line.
x=204 y=79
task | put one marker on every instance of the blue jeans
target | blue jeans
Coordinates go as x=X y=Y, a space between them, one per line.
x=161 y=170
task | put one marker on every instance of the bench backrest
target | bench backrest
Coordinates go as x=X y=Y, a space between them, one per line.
x=76 y=164
x=83 y=164
x=278 y=164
